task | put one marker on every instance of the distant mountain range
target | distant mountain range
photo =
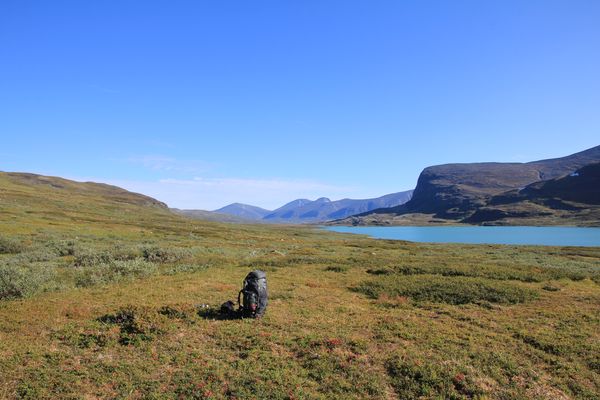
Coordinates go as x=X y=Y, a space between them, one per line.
x=244 y=211
x=323 y=209
x=560 y=191
x=304 y=210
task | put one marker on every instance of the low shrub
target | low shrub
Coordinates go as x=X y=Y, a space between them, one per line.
x=136 y=324
x=115 y=271
x=165 y=255
x=35 y=254
x=136 y=268
x=183 y=312
x=488 y=272
x=550 y=288
x=63 y=248
x=380 y=271
x=89 y=258
x=337 y=268
x=450 y=290
x=17 y=282
x=93 y=258
x=90 y=278
x=10 y=245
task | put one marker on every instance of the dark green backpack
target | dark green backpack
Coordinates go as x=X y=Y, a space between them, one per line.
x=253 y=297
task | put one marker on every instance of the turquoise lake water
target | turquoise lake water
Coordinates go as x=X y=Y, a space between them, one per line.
x=530 y=235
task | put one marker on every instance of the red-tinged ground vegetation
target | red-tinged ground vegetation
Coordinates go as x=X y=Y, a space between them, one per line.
x=106 y=298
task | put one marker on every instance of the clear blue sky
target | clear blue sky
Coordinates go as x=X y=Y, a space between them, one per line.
x=202 y=103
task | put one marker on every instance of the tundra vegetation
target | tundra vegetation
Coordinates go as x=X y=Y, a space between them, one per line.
x=105 y=298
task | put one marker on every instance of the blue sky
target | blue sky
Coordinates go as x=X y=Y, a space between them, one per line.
x=201 y=103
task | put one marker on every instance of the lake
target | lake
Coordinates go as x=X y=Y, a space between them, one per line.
x=528 y=235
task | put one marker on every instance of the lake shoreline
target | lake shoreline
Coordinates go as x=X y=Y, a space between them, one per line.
x=468 y=234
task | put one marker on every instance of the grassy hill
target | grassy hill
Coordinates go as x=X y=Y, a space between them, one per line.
x=103 y=292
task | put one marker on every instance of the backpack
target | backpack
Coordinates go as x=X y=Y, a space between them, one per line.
x=254 y=295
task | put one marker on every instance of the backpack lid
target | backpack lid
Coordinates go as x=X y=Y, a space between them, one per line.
x=256 y=274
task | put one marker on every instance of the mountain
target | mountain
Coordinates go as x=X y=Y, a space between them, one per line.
x=454 y=192
x=323 y=209
x=575 y=196
x=581 y=186
x=245 y=211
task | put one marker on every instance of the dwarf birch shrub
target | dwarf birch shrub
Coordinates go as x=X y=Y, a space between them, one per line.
x=165 y=255
x=17 y=282
x=115 y=271
x=10 y=245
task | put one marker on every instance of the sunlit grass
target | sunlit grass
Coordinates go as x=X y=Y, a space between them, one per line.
x=111 y=303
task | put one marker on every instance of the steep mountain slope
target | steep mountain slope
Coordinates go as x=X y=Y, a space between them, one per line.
x=575 y=196
x=323 y=209
x=581 y=186
x=244 y=211
x=453 y=190
x=456 y=191
x=554 y=168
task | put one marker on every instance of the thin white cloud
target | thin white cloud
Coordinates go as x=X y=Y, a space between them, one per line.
x=169 y=164
x=214 y=193
x=103 y=89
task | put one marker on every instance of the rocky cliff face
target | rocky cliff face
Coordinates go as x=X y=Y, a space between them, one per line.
x=457 y=191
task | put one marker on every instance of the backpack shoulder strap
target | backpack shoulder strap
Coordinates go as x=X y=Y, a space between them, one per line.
x=239 y=296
